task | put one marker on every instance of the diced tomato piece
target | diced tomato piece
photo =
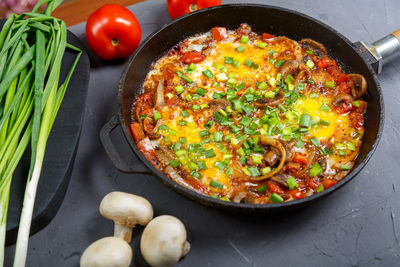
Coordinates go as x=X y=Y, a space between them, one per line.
x=356 y=120
x=313 y=183
x=328 y=183
x=344 y=107
x=192 y=57
x=137 y=131
x=341 y=78
x=183 y=46
x=144 y=100
x=168 y=74
x=148 y=150
x=219 y=33
x=296 y=193
x=326 y=62
x=300 y=158
x=361 y=109
x=292 y=167
x=274 y=188
x=267 y=36
x=344 y=88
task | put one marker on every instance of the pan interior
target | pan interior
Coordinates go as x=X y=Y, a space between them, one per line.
x=276 y=21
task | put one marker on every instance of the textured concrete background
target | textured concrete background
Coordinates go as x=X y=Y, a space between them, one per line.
x=358 y=225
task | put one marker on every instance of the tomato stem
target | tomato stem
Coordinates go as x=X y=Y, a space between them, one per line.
x=114 y=41
x=192 y=7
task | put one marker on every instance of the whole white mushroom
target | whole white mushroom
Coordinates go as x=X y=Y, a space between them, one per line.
x=107 y=252
x=163 y=241
x=126 y=210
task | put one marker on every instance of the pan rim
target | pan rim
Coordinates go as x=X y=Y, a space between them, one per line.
x=208 y=201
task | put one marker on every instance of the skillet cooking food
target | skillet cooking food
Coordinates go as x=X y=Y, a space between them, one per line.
x=250 y=118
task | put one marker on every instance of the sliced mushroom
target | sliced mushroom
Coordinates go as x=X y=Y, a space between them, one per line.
x=126 y=210
x=339 y=99
x=271 y=102
x=289 y=150
x=266 y=140
x=148 y=125
x=163 y=241
x=316 y=47
x=107 y=252
x=159 y=94
x=271 y=157
x=289 y=67
x=217 y=104
x=239 y=197
x=301 y=77
x=359 y=85
x=176 y=177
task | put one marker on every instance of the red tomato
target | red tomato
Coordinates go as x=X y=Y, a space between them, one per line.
x=356 y=120
x=344 y=108
x=300 y=158
x=192 y=57
x=328 y=183
x=137 y=131
x=219 y=33
x=313 y=183
x=326 y=62
x=112 y=31
x=177 y=8
x=274 y=188
x=344 y=88
x=296 y=193
x=267 y=36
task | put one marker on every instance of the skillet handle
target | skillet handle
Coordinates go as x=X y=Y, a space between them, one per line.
x=384 y=50
x=118 y=162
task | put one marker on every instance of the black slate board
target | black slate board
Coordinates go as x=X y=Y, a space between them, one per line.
x=60 y=152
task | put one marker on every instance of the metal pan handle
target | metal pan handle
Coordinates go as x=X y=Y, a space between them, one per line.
x=118 y=162
x=385 y=49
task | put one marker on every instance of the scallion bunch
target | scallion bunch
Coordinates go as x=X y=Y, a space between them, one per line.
x=32 y=46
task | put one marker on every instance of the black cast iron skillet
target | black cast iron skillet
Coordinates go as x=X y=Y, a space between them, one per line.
x=261 y=18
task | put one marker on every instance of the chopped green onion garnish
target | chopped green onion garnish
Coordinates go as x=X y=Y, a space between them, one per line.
x=240 y=49
x=193 y=166
x=315 y=170
x=209 y=153
x=182 y=123
x=244 y=39
x=310 y=64
x=351 y=146
x=315 y=141
x=204 y=133
x=202 y=165
x=276 y=198
x=217 y=136
x=262 y=86
x=320 y=188
x=305 y=120
x=310 y=52
x=262 y=189
x=357 y=104
x=216 y=184
x=313 y=95
x=221 y=165
x=325 y=108
x=208 y=74
x=183 y=77
x=254 y=171
x=179 y=89
x=248 y=63
x=279 y=63
x=156 y=115
x=291 y=182
x=174 y=163
x=344 y=167
x=185 y=113
x=201 y=91
x=330 y=84
x=221 y=77
x=228 y=60
x=196 y=107
x=289 y=79
x=266 y=170
x=262 y=45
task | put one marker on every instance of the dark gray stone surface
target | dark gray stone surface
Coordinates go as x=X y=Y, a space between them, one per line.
x=358 y=225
